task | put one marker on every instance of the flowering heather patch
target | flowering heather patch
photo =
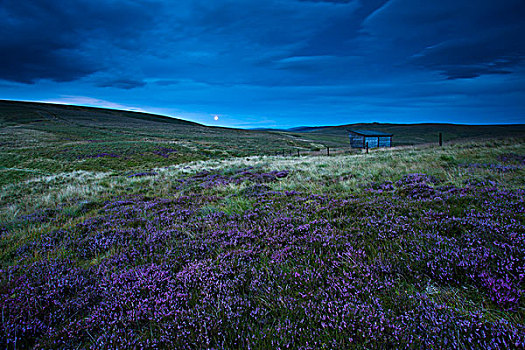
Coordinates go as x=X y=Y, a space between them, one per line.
x=206 y=179
x=495 y=167
x=99 y=155
x=406 y=264
x=512 y=158
x=164 y=152
x=142 y=174
x=479 y=183
x=38 y=216
x=380 y=187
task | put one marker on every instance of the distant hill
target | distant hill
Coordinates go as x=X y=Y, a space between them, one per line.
x=76 y=123
x=295 y=129
x=413 y=134
x=307 y=128
x=42 y=138
x=16 y=113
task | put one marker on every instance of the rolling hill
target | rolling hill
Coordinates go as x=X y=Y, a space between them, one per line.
x=120 y=229
x=412 y=134
x=40 y=138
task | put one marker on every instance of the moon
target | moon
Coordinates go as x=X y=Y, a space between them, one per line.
x=216 y=117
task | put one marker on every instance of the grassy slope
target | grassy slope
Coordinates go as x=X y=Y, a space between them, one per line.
x=53 y=145
x=442 y=258
x=313 y=174
x=44 y=139
x=325 y=239
x=16 y=113
x=414 y=134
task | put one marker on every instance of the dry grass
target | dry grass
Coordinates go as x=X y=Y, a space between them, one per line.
x=312 y=174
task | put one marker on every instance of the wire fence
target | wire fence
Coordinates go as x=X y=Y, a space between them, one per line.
x=327 y=151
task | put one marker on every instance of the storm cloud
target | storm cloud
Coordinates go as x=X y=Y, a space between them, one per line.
x=42 y=39
x=282 y=60
x=459 y=39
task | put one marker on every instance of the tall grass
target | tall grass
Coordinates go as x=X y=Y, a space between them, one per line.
x=409 y=247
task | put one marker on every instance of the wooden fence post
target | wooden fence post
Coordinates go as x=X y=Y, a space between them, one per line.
x=440 y=139
x=298 y=155
x=328 y=151
x=366 y=146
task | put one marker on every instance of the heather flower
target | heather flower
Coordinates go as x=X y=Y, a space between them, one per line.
x=150 y=173
x=406 y=265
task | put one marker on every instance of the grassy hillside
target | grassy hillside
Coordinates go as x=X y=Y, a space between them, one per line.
x=114 y=236
x=420 y=247
x=16 y=113
x=415 y=134
x=44 y=139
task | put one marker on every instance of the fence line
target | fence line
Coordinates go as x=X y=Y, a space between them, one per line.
x=327 y=151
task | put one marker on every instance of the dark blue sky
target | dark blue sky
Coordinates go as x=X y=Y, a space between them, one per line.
x=272 y=63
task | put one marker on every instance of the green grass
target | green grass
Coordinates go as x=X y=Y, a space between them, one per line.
x=56 y=177
x=337 y=175
x=416 y=134
x=48 y=161
x=43 y=139
x=50 y=139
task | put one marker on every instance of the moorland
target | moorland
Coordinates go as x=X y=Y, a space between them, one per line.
x=128 y=230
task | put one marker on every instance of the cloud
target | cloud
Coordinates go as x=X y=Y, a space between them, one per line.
x=50 y=39
x=237 y=42
x=497 y=53
x=125 y=84
x=269 y=43
x=329 y=1
x=457 y=39
x=25 y=63
x=275 y=58
x=307 y=63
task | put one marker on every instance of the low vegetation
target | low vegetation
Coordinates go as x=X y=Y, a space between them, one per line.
x=414 y=247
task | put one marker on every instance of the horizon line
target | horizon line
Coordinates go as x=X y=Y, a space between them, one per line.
x=139 y=110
